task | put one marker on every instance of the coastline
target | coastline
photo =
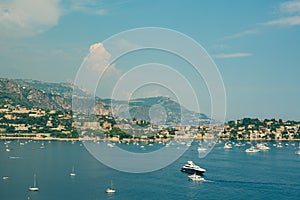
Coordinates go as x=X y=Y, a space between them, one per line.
x=130 y=140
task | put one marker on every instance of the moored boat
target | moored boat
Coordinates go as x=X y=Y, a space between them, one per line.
x=262 y=147
x=227 y=145
x=72 y=173
x=110 y=189
x=252 y=149
x=298 y=152
x=279 y=145
x=202 y=149
x=34 y=187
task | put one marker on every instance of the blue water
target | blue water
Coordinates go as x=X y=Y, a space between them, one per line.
x=231 y=174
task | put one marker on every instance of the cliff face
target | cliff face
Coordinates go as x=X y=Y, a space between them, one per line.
x=31 y=93
x=18 y=92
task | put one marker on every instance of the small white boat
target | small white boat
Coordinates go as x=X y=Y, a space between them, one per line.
x=239 y=144
x=227 y=146
x=196 y=177
x=298 y=152
x=7 y=150
x=5 y=177
x=202 y=149
x=262 y=147
x=72 y=172
x=252 y=149
x=34 y=188
x=110 y=190
x=279 y=145
x=110 y=145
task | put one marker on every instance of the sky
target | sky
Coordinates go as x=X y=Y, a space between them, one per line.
x=254 y=44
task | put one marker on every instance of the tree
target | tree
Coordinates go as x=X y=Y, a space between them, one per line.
x=10 y=129
x=231 y=124
x=272 y=136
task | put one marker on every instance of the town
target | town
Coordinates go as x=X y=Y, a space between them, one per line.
x=17 y=121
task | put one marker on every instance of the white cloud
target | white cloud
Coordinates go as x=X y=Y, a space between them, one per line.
x=241 y=34
x=99 y=59
x=97 y=70
x=27 y=18
x=231 y=55
x=86 y=6
x=290 y=7
x=291 y=12
x=20 y=18
x=287 y=21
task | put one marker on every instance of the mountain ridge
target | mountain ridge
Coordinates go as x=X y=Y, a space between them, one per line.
x=46 y=95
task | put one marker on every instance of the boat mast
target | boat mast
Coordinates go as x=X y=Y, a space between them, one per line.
x=34 y=180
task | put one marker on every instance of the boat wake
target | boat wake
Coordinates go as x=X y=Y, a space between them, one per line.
x=254 y=183
x=15 y=157
x=209 y=181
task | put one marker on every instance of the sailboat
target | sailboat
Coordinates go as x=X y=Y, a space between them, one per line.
x=72 y=172
x=34 y=188
x=110 y=189
x=298 y=152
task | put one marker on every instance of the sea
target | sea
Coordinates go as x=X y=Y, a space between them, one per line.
x=230 y=174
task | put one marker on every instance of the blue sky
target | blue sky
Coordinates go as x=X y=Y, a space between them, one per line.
x=255 y=44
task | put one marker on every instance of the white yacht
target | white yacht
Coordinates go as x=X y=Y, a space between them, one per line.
x=196 y=177
x=34 y=187
x=239 y=144
x=252 y=149
x=227 y=145
x=279 y=145
x=192 y=168
x=262 y=147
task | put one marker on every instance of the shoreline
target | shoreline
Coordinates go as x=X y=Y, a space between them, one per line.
x=131 y=140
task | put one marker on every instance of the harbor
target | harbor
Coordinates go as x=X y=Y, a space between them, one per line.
x=54 y=163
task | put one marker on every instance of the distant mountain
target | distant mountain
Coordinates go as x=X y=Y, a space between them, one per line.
x=29 y=93
x=58 y=96
x=64 y=90
x=162 y=109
